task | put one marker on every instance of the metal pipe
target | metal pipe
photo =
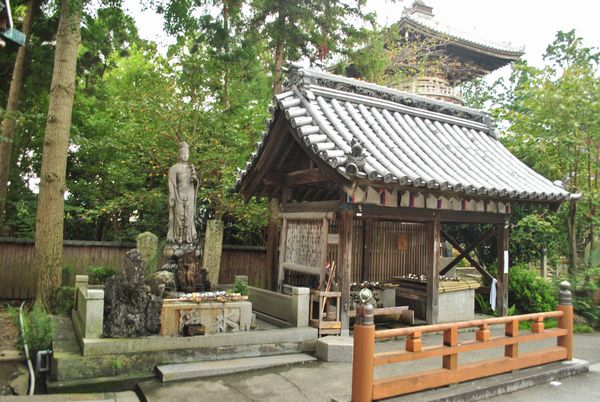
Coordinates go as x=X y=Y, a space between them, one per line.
x=26 y=348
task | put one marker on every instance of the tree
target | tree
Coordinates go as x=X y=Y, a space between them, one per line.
x=312 y=29
x=388 y=57
x=554 y=126
x=9 y=122
x=50 y=209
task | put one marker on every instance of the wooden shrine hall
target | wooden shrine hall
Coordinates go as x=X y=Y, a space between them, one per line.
x=365 y=176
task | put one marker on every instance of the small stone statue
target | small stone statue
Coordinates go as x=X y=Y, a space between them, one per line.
x=183 y=190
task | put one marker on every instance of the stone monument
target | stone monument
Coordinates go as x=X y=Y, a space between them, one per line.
x=147 y=245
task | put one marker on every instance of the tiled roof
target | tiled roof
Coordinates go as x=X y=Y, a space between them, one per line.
x=461 y=36
x=407 y=139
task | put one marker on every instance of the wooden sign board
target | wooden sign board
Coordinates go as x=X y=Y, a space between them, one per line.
x=403 y=242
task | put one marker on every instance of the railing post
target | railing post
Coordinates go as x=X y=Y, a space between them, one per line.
x=450 y=362
x=483 y=333
x=511 y=329
x=537 y=327
x=414 y=342
x=566 y=321
x=362 y=354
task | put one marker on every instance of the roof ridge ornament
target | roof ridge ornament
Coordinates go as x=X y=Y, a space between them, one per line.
x=355 y=160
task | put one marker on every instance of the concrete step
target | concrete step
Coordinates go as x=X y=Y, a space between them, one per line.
x=183 y=371
x=128 y=396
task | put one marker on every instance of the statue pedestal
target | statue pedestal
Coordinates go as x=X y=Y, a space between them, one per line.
x=185 y=263
x=214 y=317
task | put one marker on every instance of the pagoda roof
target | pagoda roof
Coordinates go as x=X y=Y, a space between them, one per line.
x=486 y=54
x=409 y=141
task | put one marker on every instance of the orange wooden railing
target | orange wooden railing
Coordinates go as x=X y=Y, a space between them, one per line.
x=366 y=388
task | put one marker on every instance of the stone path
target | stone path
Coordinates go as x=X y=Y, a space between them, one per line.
x=320 y=381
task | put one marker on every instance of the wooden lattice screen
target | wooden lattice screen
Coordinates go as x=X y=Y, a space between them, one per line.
x=397 y=248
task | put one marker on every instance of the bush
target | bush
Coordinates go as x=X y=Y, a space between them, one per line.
x=585 y=307
x=239 y=286
x=67 y=278
x=99 y=275
x=64 y=300
x=529 y=293
x=37 y=328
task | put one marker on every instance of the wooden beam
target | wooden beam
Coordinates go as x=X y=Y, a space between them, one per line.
x=305 y=176
x=400 y=213
x=502 y=296
x=465 y=252
x=345 y=247
x=448 y=216
x=295 y=178
x=315 y=206
x=304 y=269
x=433 y=278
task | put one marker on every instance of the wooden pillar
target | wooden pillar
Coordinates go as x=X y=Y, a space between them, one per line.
x=324 y=242
x=367 y=243
x=433 y=262
x=282 y=250
x=502 y=295
x=345 y=220
x=271 y=263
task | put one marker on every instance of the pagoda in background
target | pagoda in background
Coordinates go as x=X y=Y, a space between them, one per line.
x=464 y=57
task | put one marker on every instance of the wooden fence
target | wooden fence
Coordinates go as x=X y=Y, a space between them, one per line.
x=366 y=388
x=16 y=263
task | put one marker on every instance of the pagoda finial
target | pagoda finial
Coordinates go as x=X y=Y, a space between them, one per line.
x=419 y=7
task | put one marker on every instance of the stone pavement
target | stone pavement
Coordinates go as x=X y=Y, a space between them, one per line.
x=320 y=381
x=580 y=388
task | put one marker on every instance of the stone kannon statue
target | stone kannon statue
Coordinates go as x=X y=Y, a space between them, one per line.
x=183 y=190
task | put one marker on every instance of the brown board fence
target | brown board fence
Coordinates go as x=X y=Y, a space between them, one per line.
x=17 y=276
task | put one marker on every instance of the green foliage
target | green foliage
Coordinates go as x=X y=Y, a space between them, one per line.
x=483 y=307
x=533 y=234
x=117 y=365
x=66 y=277
x=582 y=329
x=240 y=286
x=553 y=117
x=529 y=293
x=392 y=58
x=548 y=323
x=585 y=307
x=64 y=301
x=37 y=328
x=99 y=275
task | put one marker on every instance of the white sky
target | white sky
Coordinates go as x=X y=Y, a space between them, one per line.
x=529 y=23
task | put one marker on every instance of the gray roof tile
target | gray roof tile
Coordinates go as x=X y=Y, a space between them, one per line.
x=426 y=146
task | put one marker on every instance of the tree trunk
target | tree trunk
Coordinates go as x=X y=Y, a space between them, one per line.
x=50 y=209
x=9 y=123
x=572 y=230
x=279 y=50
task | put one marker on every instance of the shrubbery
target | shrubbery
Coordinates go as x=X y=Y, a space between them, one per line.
x=529 y=293
x=37 y=328
x=99 y=275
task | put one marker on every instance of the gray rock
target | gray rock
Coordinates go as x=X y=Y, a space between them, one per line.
x=130 y=306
